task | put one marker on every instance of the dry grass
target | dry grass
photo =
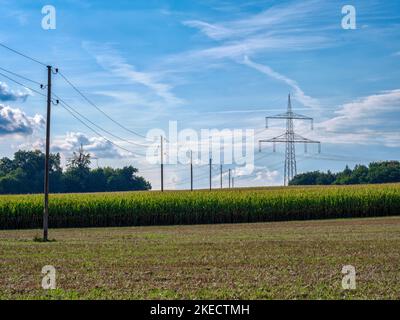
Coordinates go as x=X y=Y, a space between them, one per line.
x=281 y=260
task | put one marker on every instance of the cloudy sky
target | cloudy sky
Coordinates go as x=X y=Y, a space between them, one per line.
x=205 y=64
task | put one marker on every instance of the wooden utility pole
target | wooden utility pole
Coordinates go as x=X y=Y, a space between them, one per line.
x=162 y=165
x=220 y=169
x=191 y=170
x=210 y=163
x=229 y=176
x=47 y=159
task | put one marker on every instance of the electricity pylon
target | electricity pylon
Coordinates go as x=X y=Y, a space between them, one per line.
x=290 y=138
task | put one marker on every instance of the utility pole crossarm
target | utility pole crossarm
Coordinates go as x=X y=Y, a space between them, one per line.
x=283 y=139
x=300 y=139
x=290 y=116
x=280 y=138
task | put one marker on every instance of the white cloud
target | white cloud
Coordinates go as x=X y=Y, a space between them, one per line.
x=245 y=170
x=268 y=176
x=15 y=121
x=368 y=120
x=32 y=145
x=97 y=146
x=260 y=177
x=370 y=110
x=6 y=94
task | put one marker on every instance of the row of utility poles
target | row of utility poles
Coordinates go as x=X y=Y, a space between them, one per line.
x=231 y=178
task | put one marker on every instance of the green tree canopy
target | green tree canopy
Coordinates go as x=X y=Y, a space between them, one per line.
x=25 y=174
x=376 y=172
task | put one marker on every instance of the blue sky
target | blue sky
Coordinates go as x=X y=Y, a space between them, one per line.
x=208 y=64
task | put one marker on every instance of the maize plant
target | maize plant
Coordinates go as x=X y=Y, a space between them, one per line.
x=201 y=207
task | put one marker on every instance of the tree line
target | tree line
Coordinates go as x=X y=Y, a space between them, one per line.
x=25 y=174
x=375 y=172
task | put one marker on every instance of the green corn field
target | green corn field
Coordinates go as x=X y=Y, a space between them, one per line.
x=201 y=207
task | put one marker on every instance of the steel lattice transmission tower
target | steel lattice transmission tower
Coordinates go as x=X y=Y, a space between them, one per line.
x=290 y=138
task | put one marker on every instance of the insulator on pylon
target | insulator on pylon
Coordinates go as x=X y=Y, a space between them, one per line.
x=312 y=124
x=266 y=123
x=259 y=146
x=319 y=147
x=274 y=147
x=305 y=147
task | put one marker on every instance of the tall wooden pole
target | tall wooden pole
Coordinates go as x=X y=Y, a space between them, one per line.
x=210 y=163
x=220 y=169
x=162 y=165
x=191 y=170
x=47 y=160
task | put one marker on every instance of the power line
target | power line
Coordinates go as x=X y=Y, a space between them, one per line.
x=195 y=177
x=63 y=105
x=344 y=159
x=100 y=128
x=99 y=109
x=69 y=108
x=22 y=85
x=87 y=119
x=187 y=180
x=257 y=158
x=73 y=86
x=20 y=76
x=23 y=55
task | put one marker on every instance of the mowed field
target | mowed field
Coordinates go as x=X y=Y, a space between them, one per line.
x=268 y=260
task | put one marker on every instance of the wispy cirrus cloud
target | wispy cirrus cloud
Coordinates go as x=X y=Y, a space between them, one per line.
x=236 y=49
x=112 y=61
x=282 y=27
x=213 y=31
x=299 y=94
x=279 y=18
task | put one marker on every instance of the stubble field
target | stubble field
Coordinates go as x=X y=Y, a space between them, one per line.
x=274 y=260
